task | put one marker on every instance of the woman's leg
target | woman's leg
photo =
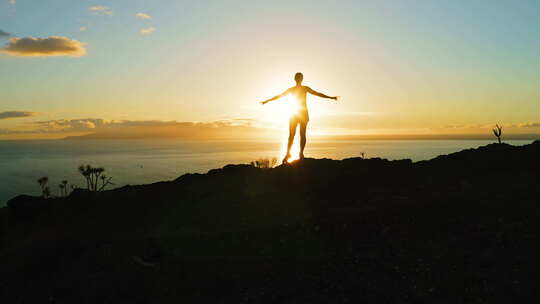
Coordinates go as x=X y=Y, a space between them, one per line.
x=293 y=122
x=303 y=129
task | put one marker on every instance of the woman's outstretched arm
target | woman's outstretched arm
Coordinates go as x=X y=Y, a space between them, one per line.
x=313 y=92
x=276 y=97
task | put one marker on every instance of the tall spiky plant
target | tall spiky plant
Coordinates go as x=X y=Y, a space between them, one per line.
x=63 y=188
x=93 y=176
x=45 y=190
x=105 y=181
x=497 y=131
x=85 y=172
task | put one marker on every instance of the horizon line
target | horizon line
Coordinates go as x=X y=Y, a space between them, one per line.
x=475 y=136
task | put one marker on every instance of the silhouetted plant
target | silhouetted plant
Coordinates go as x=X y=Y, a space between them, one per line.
x=105 y=181
x=85 y=171
x=93 y=177
x=497 y=131
x=264 y=163
x=64 y=188
x=362 y=155
x=45 y=190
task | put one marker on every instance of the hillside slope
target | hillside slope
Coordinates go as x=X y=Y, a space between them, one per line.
x=459 y=228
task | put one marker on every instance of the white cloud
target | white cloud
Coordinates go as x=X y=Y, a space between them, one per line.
x=83 y=28
x=50 y=46
x=148 y=30
x=101 y=10
x=143 y=16
x=12 y=2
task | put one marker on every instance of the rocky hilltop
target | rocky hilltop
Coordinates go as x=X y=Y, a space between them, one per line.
x=463 y=227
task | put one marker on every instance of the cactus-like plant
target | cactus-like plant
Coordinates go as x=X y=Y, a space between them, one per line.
x=63 y=188
x=93 y=176
x=105 y=181
x=497 y=131
x=85 y=172
x=45 y=190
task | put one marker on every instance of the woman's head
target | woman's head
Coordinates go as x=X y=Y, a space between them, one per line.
x=298 y=77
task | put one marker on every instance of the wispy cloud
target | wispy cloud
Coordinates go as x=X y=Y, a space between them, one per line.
x=528 y=125
x=101 y=10
x=100 y=128
x=15 y=114
x=92 y=124
x=521 y=125
x=50 y=46
x=62 y=125
x=4 y=34
x=83 y=28
x=143 y=16
x=12 y=2
x=466 y=126
x=147 y=31
x=350 y=114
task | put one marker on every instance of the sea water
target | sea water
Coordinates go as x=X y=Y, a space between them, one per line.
x=132 y=162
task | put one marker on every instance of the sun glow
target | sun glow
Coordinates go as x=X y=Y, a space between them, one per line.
x=295 y=149
x=290 y=105
x=279 y=113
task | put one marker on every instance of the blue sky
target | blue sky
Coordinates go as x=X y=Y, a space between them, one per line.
x=401 y=65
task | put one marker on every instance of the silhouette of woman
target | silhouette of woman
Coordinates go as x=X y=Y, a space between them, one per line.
x=301 y=117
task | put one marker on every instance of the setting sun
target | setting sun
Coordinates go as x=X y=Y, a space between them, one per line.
x=279 y=114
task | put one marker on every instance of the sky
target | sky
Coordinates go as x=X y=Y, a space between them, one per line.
x=400 y=67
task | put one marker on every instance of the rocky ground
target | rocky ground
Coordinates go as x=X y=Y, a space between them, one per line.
x=460 y=228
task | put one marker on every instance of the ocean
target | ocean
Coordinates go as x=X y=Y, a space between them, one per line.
x=132 y=162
